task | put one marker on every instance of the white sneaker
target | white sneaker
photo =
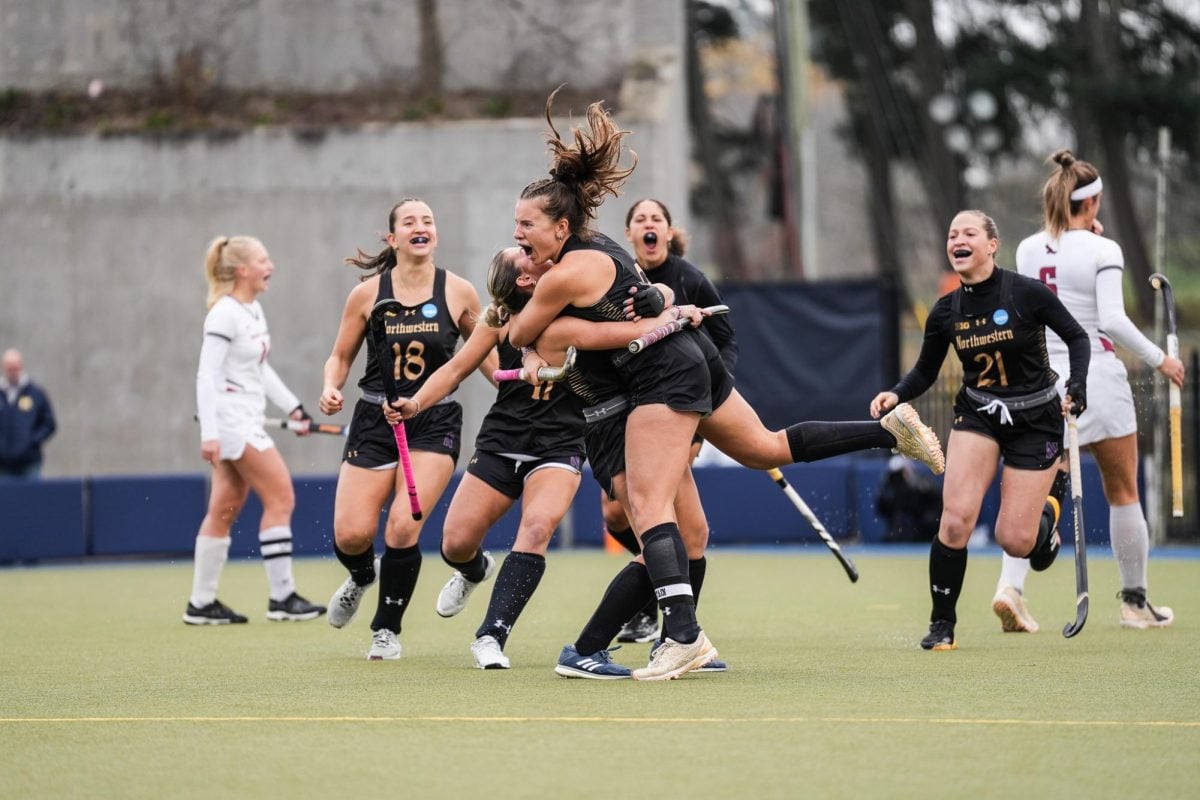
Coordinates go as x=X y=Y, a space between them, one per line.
x=488 y=654
x=344 y=603
x=384 y=646
x=453 y=597
x=673 y=659
x=1136 y=611
x=914 y=438
x=1009 y=606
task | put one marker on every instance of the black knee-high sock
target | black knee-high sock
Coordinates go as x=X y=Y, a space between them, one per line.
x=667 y=562
x=516 y=582
x=473 y=569
x=1049 y=520
x=361 y=567
x=812 y=441
x=627 y=539
x=398 y=571
x=627 y=592
x=947 y=567
x=696 y=569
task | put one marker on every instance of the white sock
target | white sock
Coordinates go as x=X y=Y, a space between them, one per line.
x=1130 y=541
x=275 y=545
x=1013 y=571
x=211 y=555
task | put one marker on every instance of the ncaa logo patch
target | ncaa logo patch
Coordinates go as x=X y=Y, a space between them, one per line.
x=1000 y=317
x=429 y=311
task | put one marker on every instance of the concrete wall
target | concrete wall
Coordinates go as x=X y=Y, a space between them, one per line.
x=318 y=45
x=101 y=283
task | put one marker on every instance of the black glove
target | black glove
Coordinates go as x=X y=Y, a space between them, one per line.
x=649 y=301
x=304 y=415
x=1078 y=392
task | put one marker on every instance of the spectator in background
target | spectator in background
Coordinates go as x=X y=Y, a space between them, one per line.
x=26 y=420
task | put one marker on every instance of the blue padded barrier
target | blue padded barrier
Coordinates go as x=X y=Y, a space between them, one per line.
x=146 y=514
x=42 y=519
x=312 y=521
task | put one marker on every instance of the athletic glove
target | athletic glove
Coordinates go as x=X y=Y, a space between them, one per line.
x=304 y=415
x=1078 y=392
x=649 y=301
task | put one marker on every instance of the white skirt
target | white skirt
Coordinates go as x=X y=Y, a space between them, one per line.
x=240 y=423
x=1110 y=413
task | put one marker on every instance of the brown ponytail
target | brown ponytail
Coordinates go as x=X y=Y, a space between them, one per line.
x=1057 y=205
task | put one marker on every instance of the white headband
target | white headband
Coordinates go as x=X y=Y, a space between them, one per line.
x=1088 y=190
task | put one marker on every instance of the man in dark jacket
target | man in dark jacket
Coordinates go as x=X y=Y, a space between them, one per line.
x=26 y=420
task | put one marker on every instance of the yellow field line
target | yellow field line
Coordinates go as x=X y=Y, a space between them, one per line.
x=642 y=720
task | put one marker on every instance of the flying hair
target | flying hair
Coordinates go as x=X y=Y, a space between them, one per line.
x=584 y=171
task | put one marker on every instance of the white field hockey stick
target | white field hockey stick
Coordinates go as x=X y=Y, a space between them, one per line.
x=377 y=325
x=674 y=326
x=807 y=513
x=1160 y=282
x=1081 y=576
x=543 y=373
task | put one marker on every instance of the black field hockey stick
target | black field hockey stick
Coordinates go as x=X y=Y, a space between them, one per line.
x=1081 y=577
x=674 y=326
x=543 y=373
x=1160 y=282
x=384 y=313
x=807 y=513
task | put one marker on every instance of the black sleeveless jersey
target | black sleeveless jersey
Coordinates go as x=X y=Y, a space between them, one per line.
x=691 y=286
x=422 y=338
x=998 y=330
x=602 y=378
x=543 y=421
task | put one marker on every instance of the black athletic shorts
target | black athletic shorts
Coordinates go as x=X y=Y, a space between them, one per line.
x=371 y=442
x=682 y=384
x=604 y=440
x=1033 y=440
x=507 y=475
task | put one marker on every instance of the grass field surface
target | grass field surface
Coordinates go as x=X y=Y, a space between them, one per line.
x=104 y=692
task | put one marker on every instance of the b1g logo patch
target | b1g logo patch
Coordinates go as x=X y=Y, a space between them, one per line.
x=429 y=311
x=1000 y=317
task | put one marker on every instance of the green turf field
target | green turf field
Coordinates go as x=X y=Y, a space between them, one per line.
x=105 y=693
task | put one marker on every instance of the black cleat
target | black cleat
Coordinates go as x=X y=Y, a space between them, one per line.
x=940 y=636
x=640 y=628
x=1048 y=541
x=294 y=607
x=215 y=613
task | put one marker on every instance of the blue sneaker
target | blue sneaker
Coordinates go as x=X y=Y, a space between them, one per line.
x=714 y=665
x=598 y=666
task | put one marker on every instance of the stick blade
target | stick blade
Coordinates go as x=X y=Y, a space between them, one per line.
x=1081 y=612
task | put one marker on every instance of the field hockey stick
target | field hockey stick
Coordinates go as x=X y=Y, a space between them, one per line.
x=674 y=326
x=1081 y=577
x=380 y=314
x=1160 y=283
x=807 y=513
x=298 y=425
x=543 y=373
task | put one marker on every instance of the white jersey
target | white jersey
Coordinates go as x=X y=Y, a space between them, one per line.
x=234 y=379
x=1085 y=271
